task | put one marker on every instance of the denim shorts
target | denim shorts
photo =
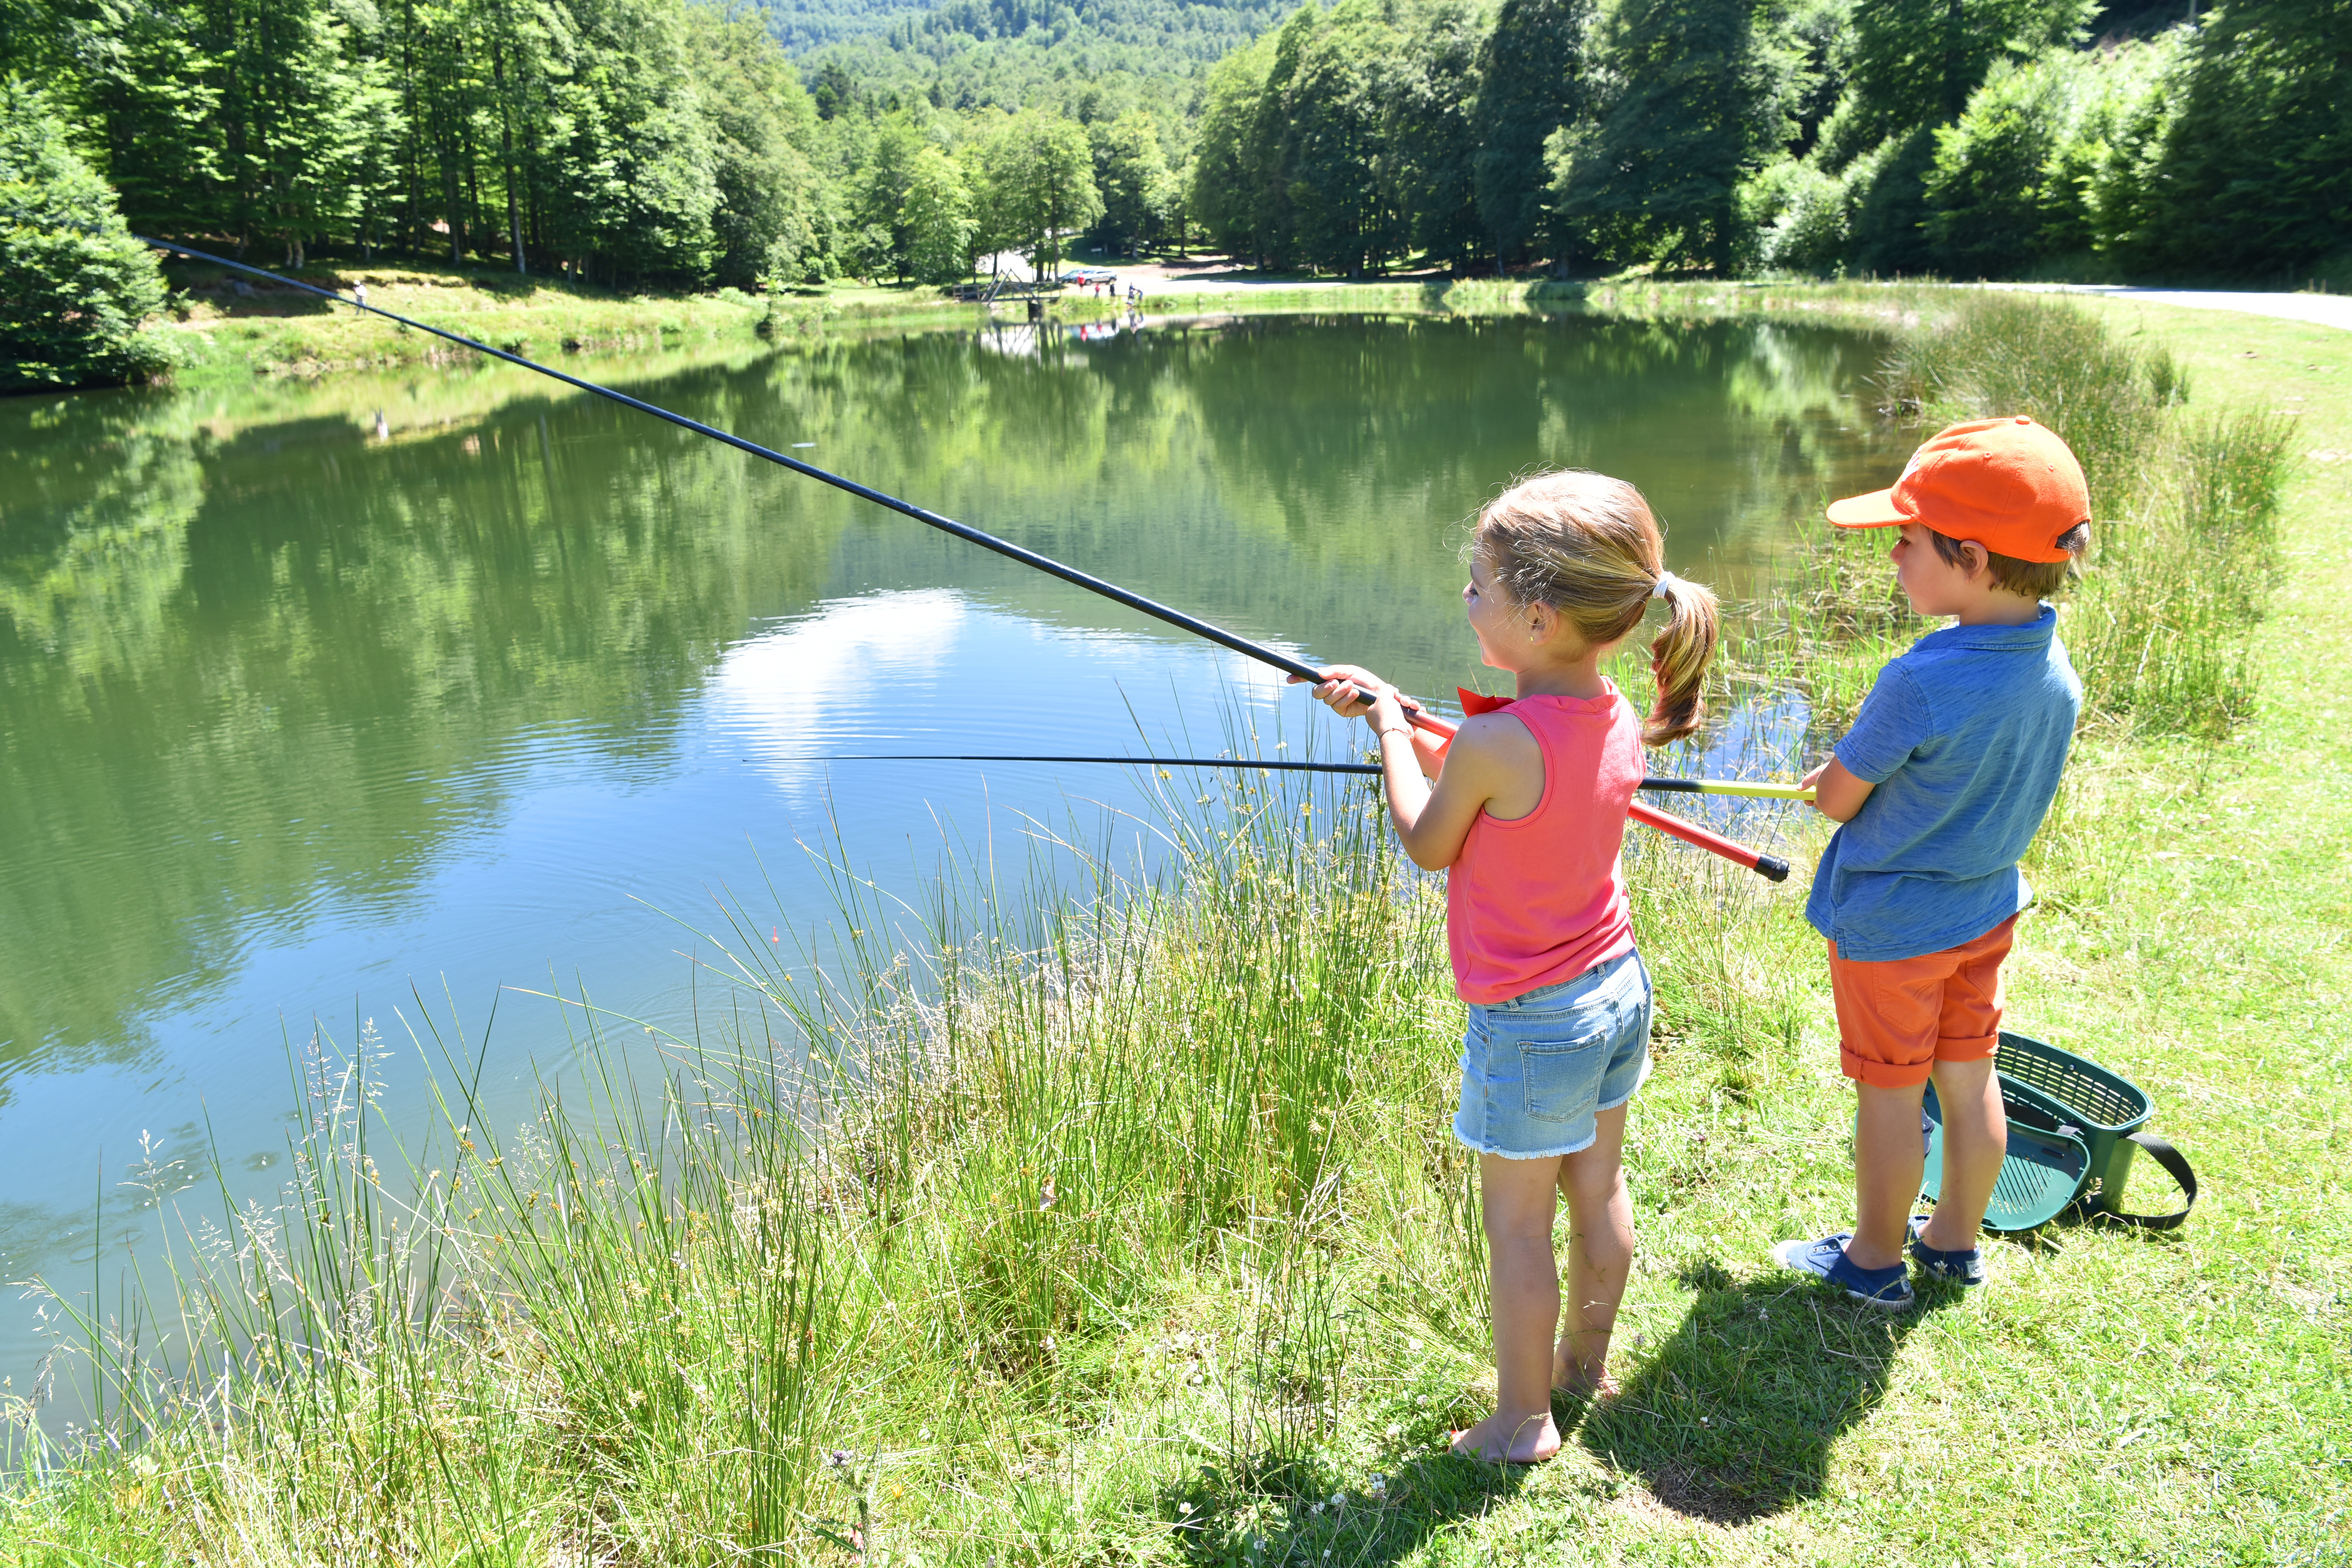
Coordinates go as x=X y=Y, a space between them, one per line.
x=1537 y=1070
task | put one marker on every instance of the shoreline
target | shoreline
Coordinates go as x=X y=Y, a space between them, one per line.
x=219 y=334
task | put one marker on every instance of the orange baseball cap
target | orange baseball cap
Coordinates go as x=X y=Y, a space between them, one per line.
x=2011 y=485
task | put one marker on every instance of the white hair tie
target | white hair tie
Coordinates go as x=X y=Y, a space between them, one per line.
x=1666 y=580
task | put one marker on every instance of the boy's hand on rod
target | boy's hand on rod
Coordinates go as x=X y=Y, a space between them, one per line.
x=1837 y=794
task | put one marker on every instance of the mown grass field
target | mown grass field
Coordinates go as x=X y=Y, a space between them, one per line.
x=1148 y=1245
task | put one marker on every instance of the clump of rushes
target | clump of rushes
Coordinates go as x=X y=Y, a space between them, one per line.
x=2184 y=544
x=2183 y=547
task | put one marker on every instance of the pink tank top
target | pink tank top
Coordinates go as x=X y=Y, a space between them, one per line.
x=1541 y=899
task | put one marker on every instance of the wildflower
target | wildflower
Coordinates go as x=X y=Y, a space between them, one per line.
x=1412 y=1344
x=839 y=1458
x=1396 y=1429
x=1377 y=1486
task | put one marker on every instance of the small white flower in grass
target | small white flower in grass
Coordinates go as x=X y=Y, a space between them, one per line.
x=1183 y=1507
x=1412 y=1344
x=1338 y=1499
x=1379 y=1485
x=1396 y=1429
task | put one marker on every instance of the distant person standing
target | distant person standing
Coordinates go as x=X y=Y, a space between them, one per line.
x=359 y=293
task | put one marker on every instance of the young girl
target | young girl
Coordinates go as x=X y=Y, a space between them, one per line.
x=1527 y=816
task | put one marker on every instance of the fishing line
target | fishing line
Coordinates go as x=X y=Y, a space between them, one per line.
x=1770 y=865
x=1660 y=786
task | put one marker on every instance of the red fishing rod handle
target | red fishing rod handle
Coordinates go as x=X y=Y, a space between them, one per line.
x=1772 y=868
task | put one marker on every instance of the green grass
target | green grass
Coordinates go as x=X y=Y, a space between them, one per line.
x=1139 y=1238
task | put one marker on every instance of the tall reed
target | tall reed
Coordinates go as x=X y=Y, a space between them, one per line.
x=2185 y=504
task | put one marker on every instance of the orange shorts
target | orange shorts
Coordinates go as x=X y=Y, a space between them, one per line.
x=1897 y=1020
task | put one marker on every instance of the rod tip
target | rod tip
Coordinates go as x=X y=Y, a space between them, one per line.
x=1772 y=868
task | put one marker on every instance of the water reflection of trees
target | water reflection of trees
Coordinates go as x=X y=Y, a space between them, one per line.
x=255 y=663
x=278 y=674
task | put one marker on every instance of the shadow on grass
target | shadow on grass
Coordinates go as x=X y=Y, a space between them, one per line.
x=1315 y=1525
x=1734 y=1416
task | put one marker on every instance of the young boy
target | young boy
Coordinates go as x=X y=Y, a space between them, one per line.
x=1940 y=785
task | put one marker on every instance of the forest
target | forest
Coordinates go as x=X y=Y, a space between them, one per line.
x=677 y=143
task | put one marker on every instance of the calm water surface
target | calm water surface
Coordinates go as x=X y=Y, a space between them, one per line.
x=308 y=696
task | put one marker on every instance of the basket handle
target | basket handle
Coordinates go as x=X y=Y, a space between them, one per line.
x=2176 y=1165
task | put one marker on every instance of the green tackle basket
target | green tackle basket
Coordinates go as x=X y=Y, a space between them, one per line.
x=2073 y=1130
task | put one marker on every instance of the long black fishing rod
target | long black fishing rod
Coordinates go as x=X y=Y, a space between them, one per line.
x=1655 y=783
x=963 y=531
x=1769 y=866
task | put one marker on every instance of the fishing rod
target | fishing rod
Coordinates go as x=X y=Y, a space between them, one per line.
x=1657 y=784
x=1769 y=866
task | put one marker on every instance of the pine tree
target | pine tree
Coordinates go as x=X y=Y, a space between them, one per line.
x=74 y=286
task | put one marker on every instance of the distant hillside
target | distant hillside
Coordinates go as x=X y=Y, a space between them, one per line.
x=801 y=26
x=966 y=54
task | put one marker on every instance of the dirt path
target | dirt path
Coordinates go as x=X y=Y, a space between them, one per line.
x=2319 y=310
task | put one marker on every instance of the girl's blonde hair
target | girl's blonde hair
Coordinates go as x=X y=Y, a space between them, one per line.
x=1586 y=545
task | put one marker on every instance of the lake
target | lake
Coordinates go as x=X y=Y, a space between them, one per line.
x=316 y=699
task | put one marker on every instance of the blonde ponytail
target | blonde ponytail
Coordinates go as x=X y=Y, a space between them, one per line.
x=1586 y=545
x=1678 y=658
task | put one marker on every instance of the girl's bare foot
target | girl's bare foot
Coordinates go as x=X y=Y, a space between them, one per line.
x=1516 y=1440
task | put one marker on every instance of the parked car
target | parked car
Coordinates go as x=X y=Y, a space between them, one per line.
x=1080 y=277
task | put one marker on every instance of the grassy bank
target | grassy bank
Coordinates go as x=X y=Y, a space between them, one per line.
x=1146 y=1243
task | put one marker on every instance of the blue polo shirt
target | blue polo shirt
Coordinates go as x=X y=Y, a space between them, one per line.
x=1964 y=738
